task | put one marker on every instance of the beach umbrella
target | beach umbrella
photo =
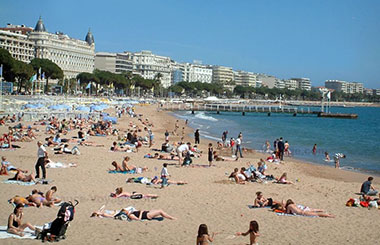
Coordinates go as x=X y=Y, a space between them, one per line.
x=110 y=119
x=83 y=108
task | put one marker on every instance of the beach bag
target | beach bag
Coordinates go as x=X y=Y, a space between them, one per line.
x=75 y=151
x=364 y=204
x=350 y=202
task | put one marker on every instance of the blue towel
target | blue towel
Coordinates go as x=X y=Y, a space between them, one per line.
x=121 y=172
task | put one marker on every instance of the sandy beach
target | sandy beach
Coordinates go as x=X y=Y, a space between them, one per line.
x=208 y=198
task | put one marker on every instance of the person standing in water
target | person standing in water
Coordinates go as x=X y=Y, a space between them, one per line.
x=315 y=149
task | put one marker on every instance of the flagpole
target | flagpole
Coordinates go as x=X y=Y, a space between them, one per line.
x=1 y=89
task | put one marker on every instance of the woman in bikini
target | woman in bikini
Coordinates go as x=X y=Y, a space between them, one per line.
x=20 y=176
x=261 y=201
x=133 y=215
x=140 y=215
x=15 y=225
x=120 y=193
x=292 y=208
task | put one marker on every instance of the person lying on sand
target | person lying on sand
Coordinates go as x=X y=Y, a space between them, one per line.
x=120 y=193
x=38 y=198
x=221 y=158
x=20 y=176
x=132 y=214
x=127 y=168
x=239 y=177
x=292 y=208
x=155 y=181
x=20 y=200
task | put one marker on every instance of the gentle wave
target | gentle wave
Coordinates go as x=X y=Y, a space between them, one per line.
x=203 y=116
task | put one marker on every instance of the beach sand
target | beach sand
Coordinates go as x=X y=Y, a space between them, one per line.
x=208 y=198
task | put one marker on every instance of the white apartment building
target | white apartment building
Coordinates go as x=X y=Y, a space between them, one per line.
x=73 y=56
x=148 y=65
x=345 y=87
x=279 y=84
x=244 y=78
x=114 y=62
x=222 y=74
x=291 y=84
x=191 y=72
x=15 y=40
x=303 y=83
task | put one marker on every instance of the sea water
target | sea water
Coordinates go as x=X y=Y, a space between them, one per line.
x=358 y=138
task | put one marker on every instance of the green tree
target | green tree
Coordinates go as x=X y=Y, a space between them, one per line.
x=23 y=72
x=7 y=61
x=48 y=67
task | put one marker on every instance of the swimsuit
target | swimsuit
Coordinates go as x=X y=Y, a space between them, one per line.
x=143 y=216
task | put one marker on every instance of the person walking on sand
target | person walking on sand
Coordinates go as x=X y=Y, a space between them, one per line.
x=42 y=154
x=176 y=127
x=166 y=135
x=164 y=175
x=238 y=146
x=210 y=154
x=281 y=149
x=196 y=137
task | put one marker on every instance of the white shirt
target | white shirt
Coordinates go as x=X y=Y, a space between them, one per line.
x=238 y=141
x=41 y=151
x=164 y=172
x=183 y=147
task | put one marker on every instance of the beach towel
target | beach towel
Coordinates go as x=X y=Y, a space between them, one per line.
x=28 y=234
x=18 y=182
x=285 y=214
x=251 y=207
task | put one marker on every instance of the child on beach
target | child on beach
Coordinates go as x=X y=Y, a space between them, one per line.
x=253 y=232
x=164 y=175
x=210 y=154
x=203 y=237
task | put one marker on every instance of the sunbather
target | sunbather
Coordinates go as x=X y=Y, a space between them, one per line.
x=292 y=208
x=20 y=176
x=120 y=193
x=20 y=200
x=15 y=224
x=261 y=201
x=49 y=195
x=283 y=179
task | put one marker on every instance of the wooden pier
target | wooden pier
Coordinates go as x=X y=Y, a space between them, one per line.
x=243 y=109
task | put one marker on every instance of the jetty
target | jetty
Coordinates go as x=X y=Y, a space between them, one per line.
x=243 y=109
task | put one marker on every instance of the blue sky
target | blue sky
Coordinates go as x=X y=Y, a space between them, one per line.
x=319 y=39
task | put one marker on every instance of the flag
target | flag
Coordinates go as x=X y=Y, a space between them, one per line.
x=42 y=75
x=33 y=78
x=39 y=72
x=78 y=81
x=88 y=85
x=1 y=70
x=329 y=95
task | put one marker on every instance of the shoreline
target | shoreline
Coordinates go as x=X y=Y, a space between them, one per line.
x=321 y=167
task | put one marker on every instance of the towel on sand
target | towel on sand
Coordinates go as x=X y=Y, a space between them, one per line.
x=28 y=234
x=18 y=182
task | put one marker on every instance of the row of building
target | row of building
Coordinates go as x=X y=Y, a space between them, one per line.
x=74 y=56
